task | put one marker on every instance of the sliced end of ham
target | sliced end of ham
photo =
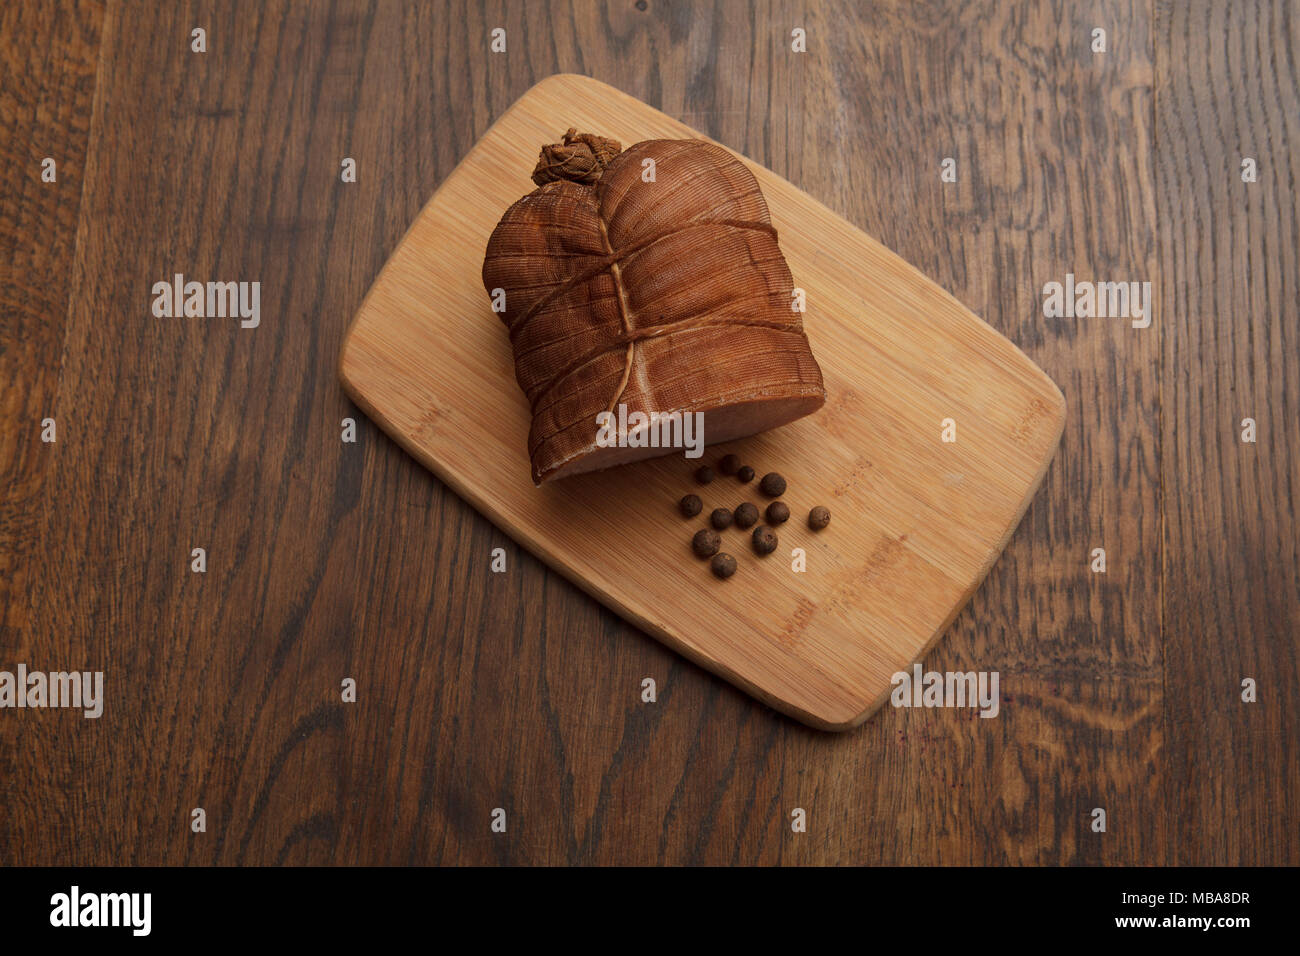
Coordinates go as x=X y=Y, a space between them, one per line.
x=724 y=424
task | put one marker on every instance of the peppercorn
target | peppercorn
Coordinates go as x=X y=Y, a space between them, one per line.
x=720 y=518
x=818 y=518
x=723 y=565
x=745 y=515
x=704 y=474
x=729 y=464
x=745 y=474
x=772 y=485
x=690 y=506
x=777 y=513
x=764 y=539
x=706 y=543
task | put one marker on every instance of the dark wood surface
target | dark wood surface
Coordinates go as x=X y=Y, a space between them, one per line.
x=477 y=690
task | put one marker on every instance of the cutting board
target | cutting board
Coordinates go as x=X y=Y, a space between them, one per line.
x=916 y=521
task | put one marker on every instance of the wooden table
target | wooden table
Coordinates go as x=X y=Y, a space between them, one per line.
x=328 y=560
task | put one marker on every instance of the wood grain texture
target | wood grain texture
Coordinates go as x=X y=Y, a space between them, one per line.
x=329 y=560
x=47 y=87
x=918 y=521
x=1231 y=351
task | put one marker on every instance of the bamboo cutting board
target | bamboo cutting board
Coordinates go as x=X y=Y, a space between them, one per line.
x=916 y=521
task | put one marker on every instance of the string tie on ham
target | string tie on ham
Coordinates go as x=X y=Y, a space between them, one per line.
x=579 y=158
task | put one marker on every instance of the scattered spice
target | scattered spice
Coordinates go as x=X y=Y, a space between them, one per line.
x=764 y=540
x=745 y=515
x=706 y=543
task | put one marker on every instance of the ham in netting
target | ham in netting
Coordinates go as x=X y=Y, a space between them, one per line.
x=659 y=287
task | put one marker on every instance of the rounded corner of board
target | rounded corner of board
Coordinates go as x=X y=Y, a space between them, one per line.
x=841 y=721
x=345 y=367
x=1056 y=409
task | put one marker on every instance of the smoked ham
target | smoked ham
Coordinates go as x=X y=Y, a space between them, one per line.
x=648 y=278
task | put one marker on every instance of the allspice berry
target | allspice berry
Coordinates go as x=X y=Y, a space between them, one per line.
x=772 y=485
x=777 y=513
x=729 y=464
x=690 y=506
x=745 y=474
x=720 y=518
x=706 y=543
x=818 y=518
x=764 y=540
x=704 y=474
x=723 y=565
x=745 y=515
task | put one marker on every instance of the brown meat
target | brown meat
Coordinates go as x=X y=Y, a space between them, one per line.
x=666 y=296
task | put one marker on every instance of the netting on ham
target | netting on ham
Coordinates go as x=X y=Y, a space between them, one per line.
x=667 y=295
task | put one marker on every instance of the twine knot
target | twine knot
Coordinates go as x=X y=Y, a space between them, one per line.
x=580 y=158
